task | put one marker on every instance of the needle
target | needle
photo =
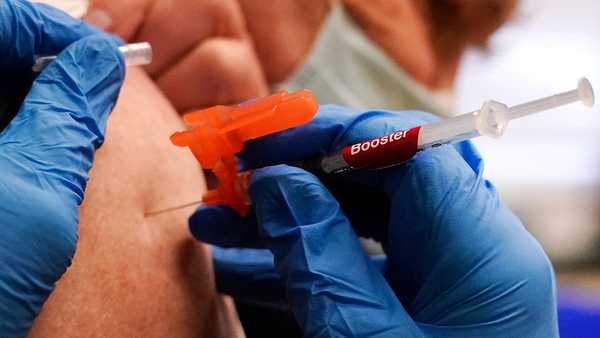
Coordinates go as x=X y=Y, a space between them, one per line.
x=162 y=211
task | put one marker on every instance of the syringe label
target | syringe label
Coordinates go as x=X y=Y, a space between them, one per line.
x=385 y=151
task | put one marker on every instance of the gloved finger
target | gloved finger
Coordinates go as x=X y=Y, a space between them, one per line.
x=222 y=226
x=452 y=239
x=63 y=118
x=38 y=241
x=30 y=29
x=361 y=194
x=123 y=18
x=327 y=276
x=434 y=201
x=249 y=276
x=216 y=71
x=366 y=197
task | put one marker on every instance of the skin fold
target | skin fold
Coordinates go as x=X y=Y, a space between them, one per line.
x=134 y=276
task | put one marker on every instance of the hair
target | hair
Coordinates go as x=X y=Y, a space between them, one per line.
x=468 y=21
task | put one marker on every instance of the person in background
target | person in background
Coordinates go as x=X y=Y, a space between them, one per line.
x=364 y=54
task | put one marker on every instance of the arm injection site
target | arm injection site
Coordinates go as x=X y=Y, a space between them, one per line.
x=381 y=152
x=132 y=276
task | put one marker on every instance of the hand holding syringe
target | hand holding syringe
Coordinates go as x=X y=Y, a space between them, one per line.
x=491 y=120
x=400 y=146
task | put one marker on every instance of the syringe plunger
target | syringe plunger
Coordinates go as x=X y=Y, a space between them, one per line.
x=493 y=117
x=490 y=120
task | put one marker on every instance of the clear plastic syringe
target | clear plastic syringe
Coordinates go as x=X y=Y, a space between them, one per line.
x=135 y=54
x=400 y=146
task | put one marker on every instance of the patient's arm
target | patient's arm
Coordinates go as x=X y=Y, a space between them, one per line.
x=135 y=276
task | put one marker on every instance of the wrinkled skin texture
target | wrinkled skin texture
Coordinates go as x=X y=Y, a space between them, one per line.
x=134 y=276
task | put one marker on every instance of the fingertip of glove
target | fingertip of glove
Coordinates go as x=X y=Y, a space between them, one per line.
x=203 y=221
x=271 y=182
x=220 y=225
x=100 y=51
x=278 y=173
x=92 y=68
x=285 y=196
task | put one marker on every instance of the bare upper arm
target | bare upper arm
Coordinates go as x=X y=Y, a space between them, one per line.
x=131 y=275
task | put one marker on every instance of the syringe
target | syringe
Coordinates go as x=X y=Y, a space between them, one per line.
x=400 y=146
x=135 y=54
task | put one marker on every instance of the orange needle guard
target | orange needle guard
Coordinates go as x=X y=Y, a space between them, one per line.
x=220 y=132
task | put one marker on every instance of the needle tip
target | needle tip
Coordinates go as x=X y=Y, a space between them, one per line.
x=162 y=211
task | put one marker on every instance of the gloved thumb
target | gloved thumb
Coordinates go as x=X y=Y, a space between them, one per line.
x=45 y=155
x=333 y=287
x=66 y=110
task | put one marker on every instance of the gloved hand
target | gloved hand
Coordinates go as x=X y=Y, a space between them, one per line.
x=459 y=263
x=48 y=148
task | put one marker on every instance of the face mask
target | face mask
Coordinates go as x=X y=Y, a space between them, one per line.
x=345 y=67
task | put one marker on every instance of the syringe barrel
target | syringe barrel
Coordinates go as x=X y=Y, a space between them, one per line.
x=135 y=54
x=398 y=147
x=490 y=120
x=377 y=153
x=458 y=128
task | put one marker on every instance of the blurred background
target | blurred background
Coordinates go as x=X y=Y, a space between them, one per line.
x=547 y=166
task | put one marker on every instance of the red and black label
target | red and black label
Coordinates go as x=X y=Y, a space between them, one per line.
x=384 y=151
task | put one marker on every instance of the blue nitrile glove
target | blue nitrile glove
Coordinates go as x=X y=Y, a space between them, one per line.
x=459 y=263
x=47 y=149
